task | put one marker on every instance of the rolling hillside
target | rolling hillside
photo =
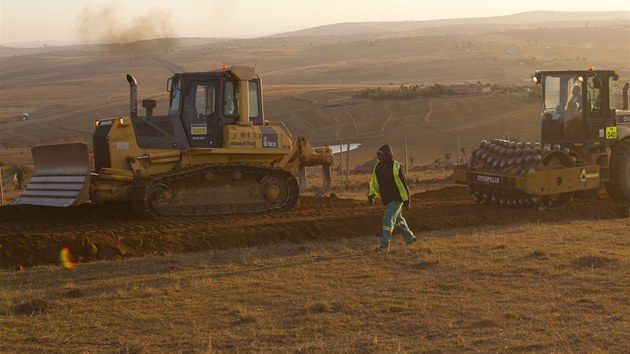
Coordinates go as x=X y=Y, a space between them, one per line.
x=310 y=81
x=548 y=19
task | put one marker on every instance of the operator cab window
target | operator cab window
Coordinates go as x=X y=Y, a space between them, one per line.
x=553 y=99
x=205 y=101
x=175 y=97
x=199 y=103
x=593 y=94
x=563 y=107
x=232 y=97
x=612 y=98
x=230 y=102
x=253 y=100
x=574 y=109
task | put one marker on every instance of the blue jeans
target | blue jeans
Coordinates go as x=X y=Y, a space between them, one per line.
x=392 y=217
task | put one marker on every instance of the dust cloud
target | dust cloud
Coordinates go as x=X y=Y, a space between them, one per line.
x=146 y=34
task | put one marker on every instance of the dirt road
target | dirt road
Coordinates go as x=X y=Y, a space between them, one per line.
x=102 y=232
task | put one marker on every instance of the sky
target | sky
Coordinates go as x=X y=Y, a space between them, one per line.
x=76 y=21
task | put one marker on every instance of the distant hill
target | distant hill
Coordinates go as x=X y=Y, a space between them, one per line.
x=7 y=51
x=517 y=21
x=359 y=31
x=310 y=82
x=161 y=43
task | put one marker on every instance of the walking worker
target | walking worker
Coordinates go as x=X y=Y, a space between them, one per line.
x=389 y=182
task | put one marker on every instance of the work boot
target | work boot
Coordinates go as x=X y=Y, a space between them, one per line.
x=380 y=249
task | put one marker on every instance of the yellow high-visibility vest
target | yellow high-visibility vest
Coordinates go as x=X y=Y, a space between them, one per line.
x=374 y=189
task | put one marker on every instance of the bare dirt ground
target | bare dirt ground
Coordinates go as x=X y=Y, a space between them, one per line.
x=102 y=232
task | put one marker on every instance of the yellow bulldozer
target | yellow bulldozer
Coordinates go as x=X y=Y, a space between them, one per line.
x=585 y=144
x=214 y=153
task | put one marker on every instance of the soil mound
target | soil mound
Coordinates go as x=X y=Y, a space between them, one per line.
x=36 y=236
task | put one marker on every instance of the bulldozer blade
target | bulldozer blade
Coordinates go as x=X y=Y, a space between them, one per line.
x=61 y=176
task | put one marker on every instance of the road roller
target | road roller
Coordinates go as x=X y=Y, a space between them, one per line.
x=585 y=145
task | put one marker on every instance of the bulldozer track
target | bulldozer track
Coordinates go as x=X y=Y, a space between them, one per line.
x=35 y=236
x=141 y=206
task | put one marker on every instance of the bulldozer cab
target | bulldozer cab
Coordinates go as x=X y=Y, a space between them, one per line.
x=206 y=102
x=578 y=107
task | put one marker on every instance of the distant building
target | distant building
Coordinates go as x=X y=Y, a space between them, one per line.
x=471 y=89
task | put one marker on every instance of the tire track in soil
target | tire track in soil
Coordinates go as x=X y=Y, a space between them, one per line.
x=352 y=121
x=103 y=232
x=426 y=116
x=388 y=118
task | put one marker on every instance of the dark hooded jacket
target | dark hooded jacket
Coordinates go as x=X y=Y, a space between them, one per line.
x=388 y=187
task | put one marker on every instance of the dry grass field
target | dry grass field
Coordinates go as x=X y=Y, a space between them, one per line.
x=481 y=278
x=560 y=287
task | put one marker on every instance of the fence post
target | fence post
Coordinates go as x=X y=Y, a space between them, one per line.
x=1 y=190
x=458 y=149
x=406 y=159
x=341 y=157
